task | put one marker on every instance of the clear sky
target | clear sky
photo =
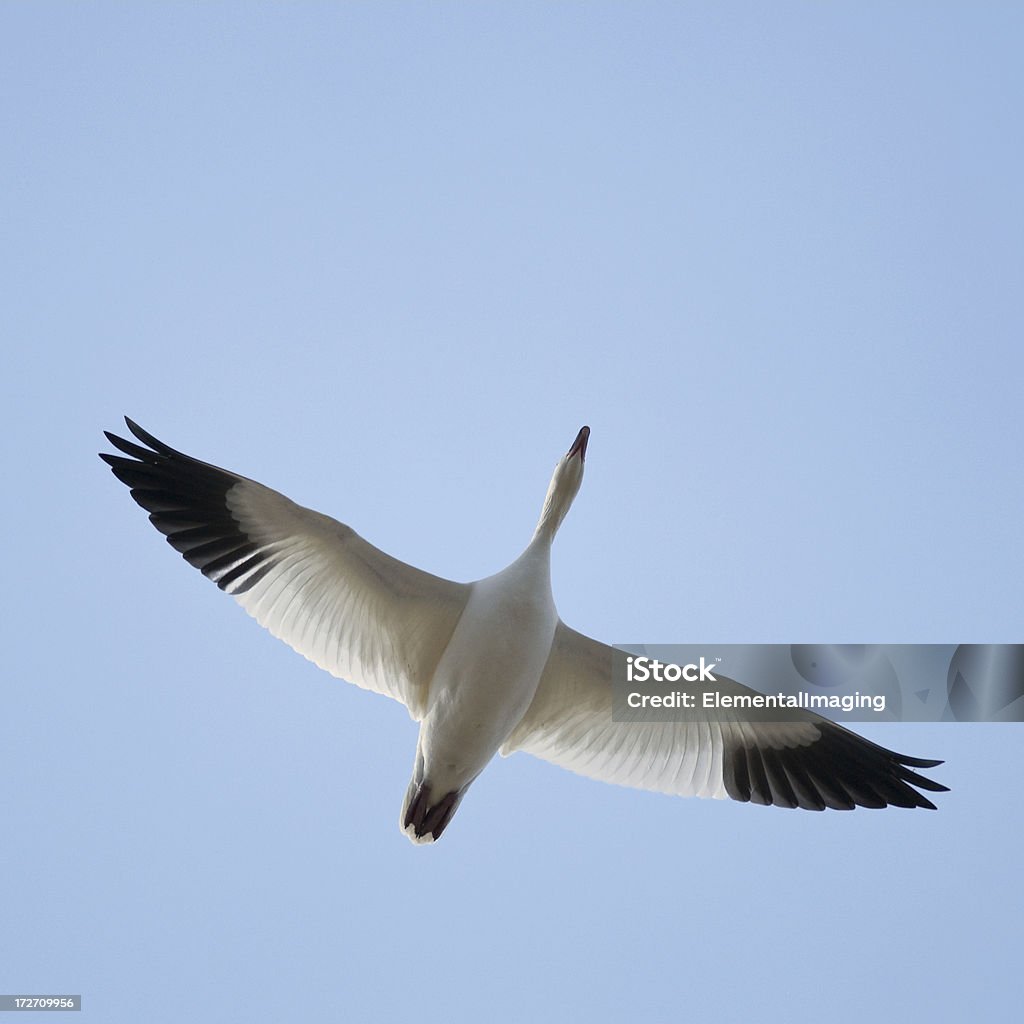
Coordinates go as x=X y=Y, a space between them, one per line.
x=387 y=258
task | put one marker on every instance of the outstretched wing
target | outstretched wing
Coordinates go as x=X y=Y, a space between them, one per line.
x=312 y=581
x=808 y=762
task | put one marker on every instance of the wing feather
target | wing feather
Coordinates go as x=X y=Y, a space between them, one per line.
x=807 y=762
x=313 y=582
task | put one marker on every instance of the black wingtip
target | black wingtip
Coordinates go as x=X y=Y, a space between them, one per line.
x=917 y=762
x=930 y=784
x=143 y=435
x=187 y=502
x=839 y=770
x=140 y=432
x=113 y=438
x=153 y=442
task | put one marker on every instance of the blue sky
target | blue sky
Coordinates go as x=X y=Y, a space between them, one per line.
x=387 y=258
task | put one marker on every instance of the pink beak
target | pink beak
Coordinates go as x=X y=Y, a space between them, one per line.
x=579 y=446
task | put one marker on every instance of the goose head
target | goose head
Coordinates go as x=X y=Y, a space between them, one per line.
x=564 y=486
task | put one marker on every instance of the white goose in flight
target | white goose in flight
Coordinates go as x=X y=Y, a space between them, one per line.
x=483 y=666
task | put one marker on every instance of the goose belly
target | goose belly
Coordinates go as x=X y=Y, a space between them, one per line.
x=485 y=681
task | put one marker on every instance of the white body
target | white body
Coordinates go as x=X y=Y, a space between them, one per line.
x=489 y=672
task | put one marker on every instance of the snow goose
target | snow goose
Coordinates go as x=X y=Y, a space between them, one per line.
x=485 y=666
